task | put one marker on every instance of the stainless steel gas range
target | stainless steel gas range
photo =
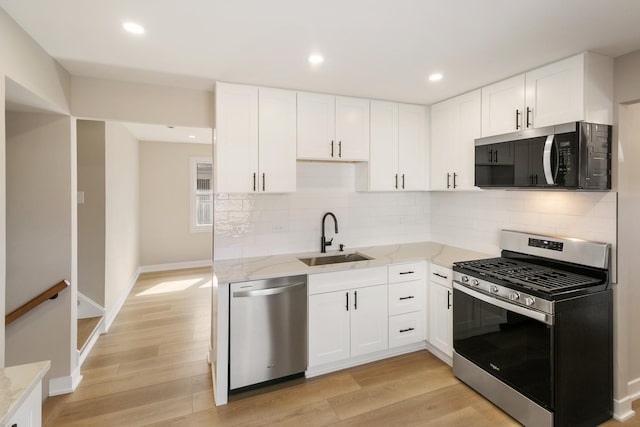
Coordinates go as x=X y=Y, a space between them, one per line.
x=533 y=329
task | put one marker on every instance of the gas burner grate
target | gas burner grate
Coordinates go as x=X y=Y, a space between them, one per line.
x=530 y=275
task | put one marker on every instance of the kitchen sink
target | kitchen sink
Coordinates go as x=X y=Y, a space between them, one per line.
x=334 y=259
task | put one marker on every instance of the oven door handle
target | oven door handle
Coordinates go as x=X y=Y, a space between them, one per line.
x=532 y=314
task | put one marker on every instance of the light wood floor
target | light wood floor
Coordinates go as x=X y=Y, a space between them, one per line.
x=151 y=369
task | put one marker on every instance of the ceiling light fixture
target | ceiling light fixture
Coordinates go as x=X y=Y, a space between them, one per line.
x=192 y=136
x=316 y=59
x=435 y=77
x=133 y=28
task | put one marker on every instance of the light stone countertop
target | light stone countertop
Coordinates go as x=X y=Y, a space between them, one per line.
x=16 y=382
x=243 y=269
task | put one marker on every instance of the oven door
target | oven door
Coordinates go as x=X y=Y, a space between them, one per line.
x=511 y=342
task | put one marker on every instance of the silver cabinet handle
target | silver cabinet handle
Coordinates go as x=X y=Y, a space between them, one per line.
x=266 y=292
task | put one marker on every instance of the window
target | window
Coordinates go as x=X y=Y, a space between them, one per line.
x=201 y=194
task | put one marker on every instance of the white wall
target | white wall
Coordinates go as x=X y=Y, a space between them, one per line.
x=121 y=215
x=264 y=224
x=136 y=102
x=165 y=235
x=627 y=296
x=40 y=239
x=23 y=60
x=91 y=213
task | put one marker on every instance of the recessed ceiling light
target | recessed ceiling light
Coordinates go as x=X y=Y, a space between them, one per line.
x=133 y=27
x=316 y=59
x=435 y=77
x=192 y=136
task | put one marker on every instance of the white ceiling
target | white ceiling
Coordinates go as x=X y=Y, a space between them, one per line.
x=372 y=48
x=146 y=132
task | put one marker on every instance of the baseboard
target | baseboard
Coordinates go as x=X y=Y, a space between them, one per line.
x=65 y=385
x=368 y=358
x=622 y=408
x=88 y=308
x=439 y=354
x=175 y=266
x=112 y=313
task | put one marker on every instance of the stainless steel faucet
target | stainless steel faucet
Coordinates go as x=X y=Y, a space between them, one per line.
x=323 y=240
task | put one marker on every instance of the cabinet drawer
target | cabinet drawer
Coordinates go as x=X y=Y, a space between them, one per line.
x=407 y=272
x=406 y=297
x=441 y=275
x=347 y=279
x=406 y=329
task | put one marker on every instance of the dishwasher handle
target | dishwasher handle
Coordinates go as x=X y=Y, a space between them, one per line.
x=267 y=291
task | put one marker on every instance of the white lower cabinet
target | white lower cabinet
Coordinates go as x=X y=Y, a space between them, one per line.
x=441 y=309
x=29 y=414
x=348 y=314
x=407 y=285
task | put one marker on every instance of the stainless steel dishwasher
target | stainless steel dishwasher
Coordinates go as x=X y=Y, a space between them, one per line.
x=267 y=330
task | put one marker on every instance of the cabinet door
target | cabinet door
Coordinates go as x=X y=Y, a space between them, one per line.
x=503 y=106
x=412 y=147
x=352 y=129
x=442 y=137
x=555 y=93
x=369 y=320
x=277 y=140
x=236 y=148
x=29 y=414
x=316 y=126
x=441 y=318
x=383 y=155
x=329 y=331
x=467 y=129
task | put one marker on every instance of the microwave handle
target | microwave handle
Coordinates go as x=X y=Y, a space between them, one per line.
x=549 y=176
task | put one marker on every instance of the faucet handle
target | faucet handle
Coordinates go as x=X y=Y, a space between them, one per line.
x=328 y=242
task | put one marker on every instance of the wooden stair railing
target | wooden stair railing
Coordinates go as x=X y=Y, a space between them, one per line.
x=51 y=293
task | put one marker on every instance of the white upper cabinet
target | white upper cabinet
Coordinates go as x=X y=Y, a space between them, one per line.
x=332 y=127
x=255 y=147
x=398 y=150
x=503 y=106
x=573 y=89
x=455 y=124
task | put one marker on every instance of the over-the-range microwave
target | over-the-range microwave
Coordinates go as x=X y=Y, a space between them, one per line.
x=570 y=156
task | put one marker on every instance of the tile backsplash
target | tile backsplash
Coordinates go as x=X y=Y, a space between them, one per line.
x=473 y=219
x=266 y=224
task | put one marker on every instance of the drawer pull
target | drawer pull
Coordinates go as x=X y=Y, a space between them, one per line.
x=406 y=272
x=440 y=275
x=406 y=330
x=409 y=297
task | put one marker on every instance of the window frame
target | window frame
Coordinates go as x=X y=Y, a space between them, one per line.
x=193 y=188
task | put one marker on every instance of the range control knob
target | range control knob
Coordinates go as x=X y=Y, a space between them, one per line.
x=514 y=296
x=493 y=289
x=528 y=301
x=475 y=282
x=465 y=279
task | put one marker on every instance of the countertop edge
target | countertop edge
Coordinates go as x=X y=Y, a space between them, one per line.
x=21 y=385
x=265 y=267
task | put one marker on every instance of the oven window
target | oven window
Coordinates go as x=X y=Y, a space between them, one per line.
x=512 y=347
